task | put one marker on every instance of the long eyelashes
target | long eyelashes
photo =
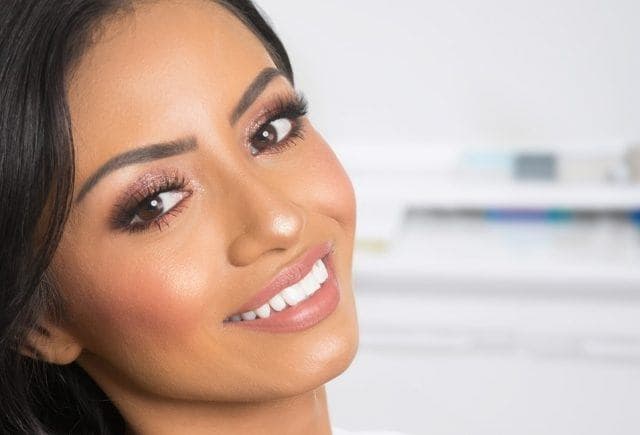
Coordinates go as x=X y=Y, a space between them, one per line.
x=289 y=107
x=155 y=199
x=145 y=194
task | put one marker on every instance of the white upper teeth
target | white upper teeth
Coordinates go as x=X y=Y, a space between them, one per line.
x=290 y=296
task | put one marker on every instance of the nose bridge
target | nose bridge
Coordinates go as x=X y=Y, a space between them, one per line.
x=265 y=218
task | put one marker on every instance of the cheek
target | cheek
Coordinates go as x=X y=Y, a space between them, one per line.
x=154 y=296
x=327 y=184
x=130 y=299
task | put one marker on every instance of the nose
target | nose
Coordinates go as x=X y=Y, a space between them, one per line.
x=267 y=219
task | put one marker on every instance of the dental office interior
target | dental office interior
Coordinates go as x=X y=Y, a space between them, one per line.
x=494 y=148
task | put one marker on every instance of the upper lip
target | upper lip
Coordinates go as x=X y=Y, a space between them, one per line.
x=287 y=276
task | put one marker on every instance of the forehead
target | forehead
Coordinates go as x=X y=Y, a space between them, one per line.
x=168 y=69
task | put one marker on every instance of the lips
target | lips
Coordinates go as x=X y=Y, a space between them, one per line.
x=299 y=296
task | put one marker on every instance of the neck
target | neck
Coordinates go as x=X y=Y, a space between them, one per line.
x=303 y=414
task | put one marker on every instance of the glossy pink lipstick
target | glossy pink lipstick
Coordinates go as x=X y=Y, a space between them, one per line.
x=304 y=314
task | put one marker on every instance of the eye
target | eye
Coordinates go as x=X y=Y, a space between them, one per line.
x=280 y=125
x=152 y=200
x=271 y=134
x=156 y=206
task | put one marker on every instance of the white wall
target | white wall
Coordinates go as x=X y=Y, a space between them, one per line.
x=428 y=77
x=551 y=73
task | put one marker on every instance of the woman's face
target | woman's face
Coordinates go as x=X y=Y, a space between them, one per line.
x=166 y=243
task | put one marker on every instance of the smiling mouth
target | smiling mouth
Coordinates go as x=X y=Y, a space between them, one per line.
x=289 y=296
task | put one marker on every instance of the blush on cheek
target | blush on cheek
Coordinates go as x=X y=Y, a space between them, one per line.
x=332 y=189
x=149 y=302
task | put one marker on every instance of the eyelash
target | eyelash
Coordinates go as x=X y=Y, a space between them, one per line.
x=291 y=107
x=125 y=211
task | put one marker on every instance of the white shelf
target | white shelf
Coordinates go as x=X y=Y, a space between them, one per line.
x=415 y=191
x=494 y=276
x=472 y=253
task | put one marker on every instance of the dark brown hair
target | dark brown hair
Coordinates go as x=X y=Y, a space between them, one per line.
x=39 y=42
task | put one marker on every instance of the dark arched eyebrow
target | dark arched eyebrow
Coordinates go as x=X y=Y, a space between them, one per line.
x=254 y=90
x=178 y=146
x=139 y=155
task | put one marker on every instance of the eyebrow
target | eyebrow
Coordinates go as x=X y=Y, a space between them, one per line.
x=179 y=146
x=139 y=155
x=254 y=90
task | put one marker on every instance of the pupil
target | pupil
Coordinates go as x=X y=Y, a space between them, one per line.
x=151 y=209
x=268 y=135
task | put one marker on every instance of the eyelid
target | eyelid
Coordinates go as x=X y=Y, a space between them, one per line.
x=144 y=184
x=148 y=185
x=272 y=110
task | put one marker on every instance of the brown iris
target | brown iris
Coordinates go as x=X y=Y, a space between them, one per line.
x=266 y=137
x=150 y=209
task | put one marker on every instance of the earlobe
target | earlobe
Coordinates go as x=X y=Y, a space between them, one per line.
x=51 y=343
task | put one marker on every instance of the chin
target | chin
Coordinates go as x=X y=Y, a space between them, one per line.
x=328 y=357
x=318 y=360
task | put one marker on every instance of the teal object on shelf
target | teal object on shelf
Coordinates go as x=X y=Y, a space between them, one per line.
x=551 y=216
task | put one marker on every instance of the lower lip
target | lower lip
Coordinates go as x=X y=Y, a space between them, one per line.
x=304 y=315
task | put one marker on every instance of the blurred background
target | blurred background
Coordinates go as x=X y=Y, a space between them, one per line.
x=495 y=151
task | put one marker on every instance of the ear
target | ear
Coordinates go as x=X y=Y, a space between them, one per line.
x=51 y=343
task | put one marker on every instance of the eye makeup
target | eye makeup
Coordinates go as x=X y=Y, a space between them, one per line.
x=141 y=205
x=156 y=198
x=288 y=106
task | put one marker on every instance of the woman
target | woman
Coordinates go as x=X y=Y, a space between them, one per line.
x=177 y=238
